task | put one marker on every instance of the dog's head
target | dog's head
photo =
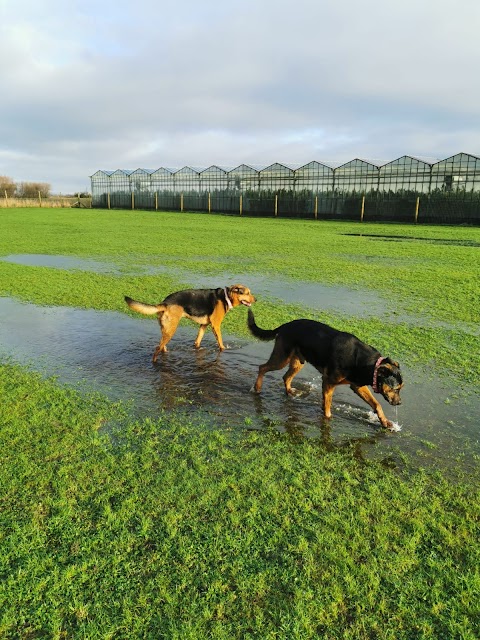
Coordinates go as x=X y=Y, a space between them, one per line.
x=240 y=294
x=389 y=381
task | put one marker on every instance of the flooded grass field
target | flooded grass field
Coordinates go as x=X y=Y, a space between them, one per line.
x=180 y=509
x=111 y=353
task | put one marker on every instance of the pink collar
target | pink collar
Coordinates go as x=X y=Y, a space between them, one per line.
x=375 y=373
x=229 y=302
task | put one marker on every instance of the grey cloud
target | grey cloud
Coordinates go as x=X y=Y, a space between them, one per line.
x=156 y=84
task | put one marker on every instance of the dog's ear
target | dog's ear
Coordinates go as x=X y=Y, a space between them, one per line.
x=237 y=289
x=385 y=369
x=390 y=374
x=392 y=362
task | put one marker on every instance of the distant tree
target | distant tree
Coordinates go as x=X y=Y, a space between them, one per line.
x=32 y=189
x=8 y=186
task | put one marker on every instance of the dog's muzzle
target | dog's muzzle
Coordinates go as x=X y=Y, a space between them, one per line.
x=392 y=398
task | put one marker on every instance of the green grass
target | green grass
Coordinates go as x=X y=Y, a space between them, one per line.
x=168 y=530
x=118 y=528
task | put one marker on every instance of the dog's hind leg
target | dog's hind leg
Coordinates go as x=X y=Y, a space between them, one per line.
x=296 y=365
x=279 y=358
x=168 y=325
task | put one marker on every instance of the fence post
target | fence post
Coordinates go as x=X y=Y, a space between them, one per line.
x=316 y=207
x=276 y=204
x=40 y=198
x=108 y=200
x=363 y=209
x=417 y=206
x=209 y=203
x=156 y=200
x=6 y=198
x=181 y=202
x=133 y=200
x=241 y=204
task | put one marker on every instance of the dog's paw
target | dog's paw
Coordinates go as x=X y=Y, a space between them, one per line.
x=394 y=426
x=391 y=426
x=295 y=393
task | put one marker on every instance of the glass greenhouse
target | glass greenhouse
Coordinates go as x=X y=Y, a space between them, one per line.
x=403 y=190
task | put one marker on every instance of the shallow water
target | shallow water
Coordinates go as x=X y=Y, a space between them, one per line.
x=316 y=296
x=341 y=299
x=399 y=238
x=111 y=352
x=61 y=262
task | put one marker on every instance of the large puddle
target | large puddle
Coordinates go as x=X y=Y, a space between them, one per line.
x=111 y=352
x=316 y=296
x=400 y=238
x=340 y=299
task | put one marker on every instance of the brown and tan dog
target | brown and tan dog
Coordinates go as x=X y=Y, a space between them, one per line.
x=204 y=306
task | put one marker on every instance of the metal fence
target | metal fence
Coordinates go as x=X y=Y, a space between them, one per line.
x=407 y=189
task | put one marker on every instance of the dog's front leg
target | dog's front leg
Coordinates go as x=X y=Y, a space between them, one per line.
x=201 y=333
x=365 y=394
x=327 y=392
x=218 y=335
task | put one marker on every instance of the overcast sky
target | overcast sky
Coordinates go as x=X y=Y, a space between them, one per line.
x=92 y=84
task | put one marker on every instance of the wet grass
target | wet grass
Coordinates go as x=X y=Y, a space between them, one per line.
x=164 y=529
x=435 y=277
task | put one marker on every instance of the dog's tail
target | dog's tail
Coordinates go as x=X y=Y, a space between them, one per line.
x=261 y=334
x=141 y=307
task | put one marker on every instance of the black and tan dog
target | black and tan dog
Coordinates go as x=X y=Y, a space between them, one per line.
x=340 y=357
x=204 y=306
